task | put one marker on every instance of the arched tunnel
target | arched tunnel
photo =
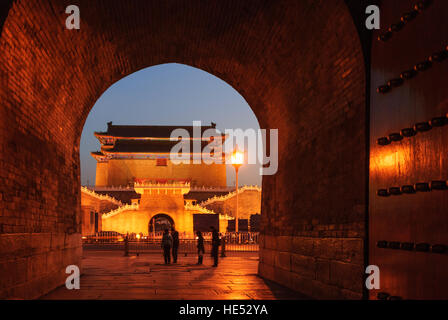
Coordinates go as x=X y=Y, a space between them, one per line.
x=307 y=68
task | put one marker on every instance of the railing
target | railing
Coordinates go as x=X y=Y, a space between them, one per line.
x=218 y=189
x=241 y=242
x=101 y=196
x=230 y=237
x=131 y=188
x=188 y=246
x=230 y=195
x=126 y=207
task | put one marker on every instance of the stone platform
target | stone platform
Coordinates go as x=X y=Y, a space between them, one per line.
x=110 y=275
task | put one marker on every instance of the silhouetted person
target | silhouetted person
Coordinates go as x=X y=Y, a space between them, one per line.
x=126 y=245
x=167 y=243
x=215 y=245
x=201 y=249
x=175 y=236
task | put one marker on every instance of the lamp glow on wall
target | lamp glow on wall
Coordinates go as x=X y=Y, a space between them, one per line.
x=237 y=160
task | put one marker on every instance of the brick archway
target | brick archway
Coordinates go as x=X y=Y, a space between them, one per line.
x=309 y=85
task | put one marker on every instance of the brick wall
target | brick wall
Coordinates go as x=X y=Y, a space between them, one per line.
x=313 y=209
x=298 y=64
x=34 y=263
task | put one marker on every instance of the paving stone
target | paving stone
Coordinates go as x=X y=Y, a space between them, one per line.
x=109 y=275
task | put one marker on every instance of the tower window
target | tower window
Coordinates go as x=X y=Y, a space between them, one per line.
x=161 y=162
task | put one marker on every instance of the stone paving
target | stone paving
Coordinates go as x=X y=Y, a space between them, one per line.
x=110 y=275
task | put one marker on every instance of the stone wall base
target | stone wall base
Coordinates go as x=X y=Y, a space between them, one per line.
x=321 y=268
x=33 y=264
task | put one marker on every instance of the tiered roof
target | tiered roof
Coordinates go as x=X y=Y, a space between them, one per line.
x=142 y=142
x=133 y=132
x=142 y=146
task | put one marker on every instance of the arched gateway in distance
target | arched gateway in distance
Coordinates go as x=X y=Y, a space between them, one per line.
x=156 y=196
x=160 y=222
x=135 y=162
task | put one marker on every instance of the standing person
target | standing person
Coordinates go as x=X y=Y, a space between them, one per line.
x=126 y=245
x=167 y=243
x=215 y=245
x=201 y=249
x=175 y=236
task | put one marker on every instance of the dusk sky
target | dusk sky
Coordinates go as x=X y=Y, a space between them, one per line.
x=168 y=94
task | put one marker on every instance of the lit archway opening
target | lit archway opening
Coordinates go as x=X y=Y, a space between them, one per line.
x=160 y=222
x=170 y=95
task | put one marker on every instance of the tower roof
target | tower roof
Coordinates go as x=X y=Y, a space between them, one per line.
x=156 y=131
x=149 y=142
x=144 y=146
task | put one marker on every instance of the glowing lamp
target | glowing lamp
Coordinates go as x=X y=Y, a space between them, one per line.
x=138 y=236
x=237 y=158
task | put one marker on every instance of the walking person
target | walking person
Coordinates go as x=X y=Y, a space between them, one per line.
x=175 y=236
x=201 y=249
x=167 y=243
x=215 y=245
